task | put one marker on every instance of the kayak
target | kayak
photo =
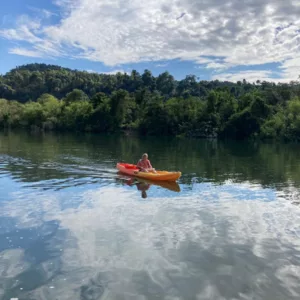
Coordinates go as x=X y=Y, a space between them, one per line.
x=133 y=170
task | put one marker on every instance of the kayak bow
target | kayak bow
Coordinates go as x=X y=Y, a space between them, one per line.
x=133 y=170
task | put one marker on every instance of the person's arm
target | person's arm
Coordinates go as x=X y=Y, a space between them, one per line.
x=140 y=166
x=149 y=164
x=150 y=167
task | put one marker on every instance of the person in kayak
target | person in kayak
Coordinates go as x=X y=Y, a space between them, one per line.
x=144 y=164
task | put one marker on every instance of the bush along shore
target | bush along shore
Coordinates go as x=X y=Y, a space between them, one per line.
x=46 y=97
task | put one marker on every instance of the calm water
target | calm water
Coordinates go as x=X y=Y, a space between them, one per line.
x=72 y=228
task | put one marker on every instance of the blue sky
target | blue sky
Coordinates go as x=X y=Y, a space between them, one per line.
x=216 y=39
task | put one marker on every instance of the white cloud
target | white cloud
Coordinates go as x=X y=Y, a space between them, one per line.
x=216 y=65
x=291 y=68
x=250 y=76
x=25 y=52
x=44 y=12
x=24 y=32
x=113 y=72
x=119 y=32
x=91 y=71
x=254 y=75
x=29 y=31
x=162 y=65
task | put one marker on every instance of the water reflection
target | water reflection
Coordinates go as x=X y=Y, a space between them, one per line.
x=144 y=185
x=114 y=246
x=55 y=157
x=72 y=228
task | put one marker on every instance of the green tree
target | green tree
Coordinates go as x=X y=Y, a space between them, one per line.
x=119 y=104
x=293 y=119
x=275 y=127
x=241 y=125
x=33 y=114
x=148 y=80
x=165 y=84
x=155 y=120
x=101 y=119
x=98 y=99
x=75 y=96
x=76 y=115
x=52 y=108
x=212 y=102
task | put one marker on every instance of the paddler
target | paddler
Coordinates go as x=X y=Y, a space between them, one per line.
x=144 y=164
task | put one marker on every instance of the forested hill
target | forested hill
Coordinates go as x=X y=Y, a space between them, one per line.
x=28 y=82
x=52 y=97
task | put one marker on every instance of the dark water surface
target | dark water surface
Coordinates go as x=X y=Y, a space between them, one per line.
x=72 y=228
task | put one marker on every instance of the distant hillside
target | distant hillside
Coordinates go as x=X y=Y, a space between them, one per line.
x=39 y=67
x=28 y=82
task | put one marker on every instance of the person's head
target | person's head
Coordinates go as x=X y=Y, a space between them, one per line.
x=144 y=194
x=145 y=156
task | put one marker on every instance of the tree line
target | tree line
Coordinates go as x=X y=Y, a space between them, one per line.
x=46 y=97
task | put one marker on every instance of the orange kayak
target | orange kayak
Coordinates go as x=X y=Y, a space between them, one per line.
x=133 y=170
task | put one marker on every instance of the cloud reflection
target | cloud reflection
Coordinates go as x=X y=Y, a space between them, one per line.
x=112 y=245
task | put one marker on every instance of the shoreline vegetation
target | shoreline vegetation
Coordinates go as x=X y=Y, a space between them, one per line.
x=43 y=97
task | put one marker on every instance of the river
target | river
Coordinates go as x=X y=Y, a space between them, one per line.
x=71 y=227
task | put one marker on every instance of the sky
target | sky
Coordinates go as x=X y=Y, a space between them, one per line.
x=212 y=39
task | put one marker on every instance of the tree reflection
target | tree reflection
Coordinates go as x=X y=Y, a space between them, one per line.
x=61 y=160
